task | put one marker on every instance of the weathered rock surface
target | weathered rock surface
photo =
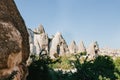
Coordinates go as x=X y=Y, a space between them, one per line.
x=40 y=29
x=14 y=43
x=40 y=40
x=58 y=46
x=81 y=47
x=73 y=47
x=31 y=41
x=93 y=49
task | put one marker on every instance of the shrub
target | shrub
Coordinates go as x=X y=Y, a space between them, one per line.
x=62 y=63
x=101 y=68
x=117 y=67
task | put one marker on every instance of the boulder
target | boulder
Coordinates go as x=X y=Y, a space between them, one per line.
x=58 y=46
x=73 y=47
x=81 y=47
x=14 y=42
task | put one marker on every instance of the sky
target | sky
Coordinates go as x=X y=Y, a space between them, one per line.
x=79 y=20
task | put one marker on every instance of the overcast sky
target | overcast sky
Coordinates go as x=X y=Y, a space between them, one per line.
x=86 y=20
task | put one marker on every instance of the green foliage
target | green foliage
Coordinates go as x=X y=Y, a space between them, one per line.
x=83 y=53
x=103 y=78
x=63 y=63
x=117 y=63
x=117 y=66
x=101 y=68
x=38 y=70
x=104 y=66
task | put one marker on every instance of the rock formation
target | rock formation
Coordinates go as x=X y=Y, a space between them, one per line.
x=58 y=46
x=31 y=41
x=32 y=46
x=14 y=43
x=40 y=39
x=81 y=47
x=93 y=49
x=73 y=47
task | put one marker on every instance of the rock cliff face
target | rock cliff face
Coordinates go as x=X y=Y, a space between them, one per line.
x=73 y=47
x=93 y=49
x=58 y=46
x=81 y=47
x=40 y=40
x=31 y=41
x=39 y=43
x=14 y=43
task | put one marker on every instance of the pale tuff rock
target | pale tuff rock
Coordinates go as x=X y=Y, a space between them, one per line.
x=44 y=41
x=14 y=43
x=58 y=46
x=39 y=30
x=31 y=41
x=81 y=47
x=37 y=43
x=32 y=46
x=63 y=48
x=93 y=49
x=40 y=40
x=73 y=47
x=31 y=36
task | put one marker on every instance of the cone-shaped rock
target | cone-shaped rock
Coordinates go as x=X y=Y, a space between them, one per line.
x=73 y=47
x=93 y=49
x=14 y=43
x=40 y=40
x=58 y=46
x=81 y=47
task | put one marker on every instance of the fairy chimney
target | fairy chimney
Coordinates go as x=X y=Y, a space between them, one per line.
x=58 y=46
x=81 y=47
x=73 y=47
x=93 y=49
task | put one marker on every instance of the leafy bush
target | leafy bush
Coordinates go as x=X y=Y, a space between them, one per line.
x=101 y=68
x=38 y=69
x=117 y=66
x=63 y=63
